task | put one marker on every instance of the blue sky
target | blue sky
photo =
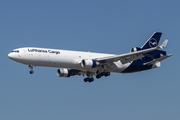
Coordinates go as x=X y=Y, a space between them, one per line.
x=107 y=26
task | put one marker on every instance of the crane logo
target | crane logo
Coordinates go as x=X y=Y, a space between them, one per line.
x=152 y=42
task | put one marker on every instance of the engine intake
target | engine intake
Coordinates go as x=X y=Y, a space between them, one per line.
x=89 y=63
x=134 y=49
x=63 y=72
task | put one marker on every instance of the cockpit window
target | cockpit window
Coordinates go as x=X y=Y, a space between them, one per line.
x=16 y=51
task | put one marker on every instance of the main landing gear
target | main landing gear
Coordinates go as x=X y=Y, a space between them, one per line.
x=31 y=67
x=99 y=75
x=88 y=79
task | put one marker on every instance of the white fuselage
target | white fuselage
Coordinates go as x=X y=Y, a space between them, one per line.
x=70 y=63
x=60 y=58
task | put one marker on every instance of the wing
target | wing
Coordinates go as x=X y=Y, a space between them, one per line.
x=128 y=57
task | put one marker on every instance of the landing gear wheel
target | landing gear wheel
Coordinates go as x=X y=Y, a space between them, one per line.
x=31 y=67
x=88 y=79
x=107 y=74
x=98 y=76
x=91 y=79
x=102 y=74
x=31 y=72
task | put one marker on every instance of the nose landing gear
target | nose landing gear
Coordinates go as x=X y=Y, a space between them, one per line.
x=31 y=67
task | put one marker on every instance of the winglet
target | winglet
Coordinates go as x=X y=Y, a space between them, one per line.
x=164 y=44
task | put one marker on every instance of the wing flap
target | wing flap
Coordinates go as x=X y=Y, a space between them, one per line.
x=131 y=58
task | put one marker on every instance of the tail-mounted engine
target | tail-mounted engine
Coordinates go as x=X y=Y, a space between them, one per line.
x=63 y=72
x=134 y=49
x=89 y=63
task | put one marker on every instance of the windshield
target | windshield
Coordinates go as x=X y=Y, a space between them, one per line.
x=16 y=51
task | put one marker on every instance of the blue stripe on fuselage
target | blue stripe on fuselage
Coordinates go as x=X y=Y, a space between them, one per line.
x=69 y=73
x=94 y=64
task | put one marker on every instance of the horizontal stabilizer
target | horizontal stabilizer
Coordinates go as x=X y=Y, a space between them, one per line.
x=157 y=60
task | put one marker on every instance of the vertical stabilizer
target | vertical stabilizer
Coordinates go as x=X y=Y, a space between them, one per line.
x=152 y=41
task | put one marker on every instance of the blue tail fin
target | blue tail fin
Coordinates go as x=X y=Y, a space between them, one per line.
x=152 y=41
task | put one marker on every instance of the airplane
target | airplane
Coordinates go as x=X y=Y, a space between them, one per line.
x=70 y=63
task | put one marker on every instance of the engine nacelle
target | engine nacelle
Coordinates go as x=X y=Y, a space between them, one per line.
x=89 y=63
x=63 y=72
x=134 y=49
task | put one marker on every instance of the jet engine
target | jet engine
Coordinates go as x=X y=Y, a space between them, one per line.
x=134 y=49
x=63 y=72
x=89 y=63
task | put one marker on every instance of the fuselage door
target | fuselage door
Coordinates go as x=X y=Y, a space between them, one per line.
x=25 y=52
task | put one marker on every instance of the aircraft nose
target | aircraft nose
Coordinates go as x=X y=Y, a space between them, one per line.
x=10 y=55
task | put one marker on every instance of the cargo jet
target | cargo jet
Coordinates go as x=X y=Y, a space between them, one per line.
x=91 y=64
